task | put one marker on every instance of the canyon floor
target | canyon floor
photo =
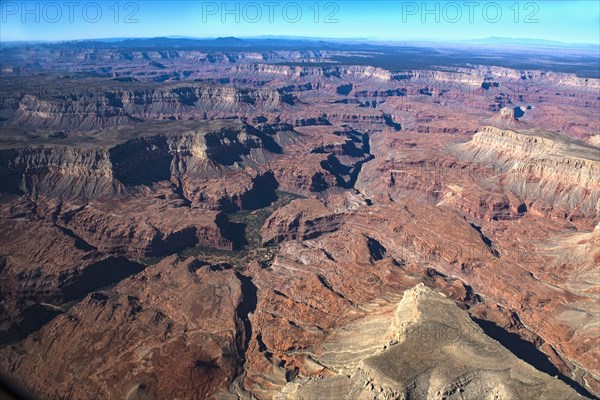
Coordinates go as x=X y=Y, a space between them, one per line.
x=216 y=223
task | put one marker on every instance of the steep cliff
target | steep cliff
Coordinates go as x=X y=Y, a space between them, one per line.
x=422 y=354
x=115 y=167
x=93 y=105
x=554 y=174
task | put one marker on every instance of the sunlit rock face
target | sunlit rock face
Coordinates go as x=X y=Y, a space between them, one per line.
x=206 y=223
x=427 y=349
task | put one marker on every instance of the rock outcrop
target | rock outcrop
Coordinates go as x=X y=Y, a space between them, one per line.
x=114 y=164
x=305 y=219
x=45 y=266
x=234 y=222
x=506 y=118
x=96 y=107
x=553 y=174
x=167 y=332
x=145 y=227
x=429 y=350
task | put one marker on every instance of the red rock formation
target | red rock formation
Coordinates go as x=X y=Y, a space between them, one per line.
x=402 y=186
x=169 y=331
x=506 y=119
x=45 y=265
x=142 y=227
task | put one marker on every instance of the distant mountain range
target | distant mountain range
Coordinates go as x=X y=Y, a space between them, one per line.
x=529 y=42
x=231 y=41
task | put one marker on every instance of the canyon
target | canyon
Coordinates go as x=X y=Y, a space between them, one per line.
x=274 y=224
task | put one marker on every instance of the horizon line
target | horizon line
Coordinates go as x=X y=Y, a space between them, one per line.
x=500 y=39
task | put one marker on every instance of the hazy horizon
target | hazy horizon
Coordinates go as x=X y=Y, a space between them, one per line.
x=574 y=22
x=482 y=40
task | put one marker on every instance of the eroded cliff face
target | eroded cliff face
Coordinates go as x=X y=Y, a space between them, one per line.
x=44 y=265
x=235 y=167
x=76 y=171
x=498 y=174
x=479 y=74
x=301 y=220
x=96 y=107
x=553 y=175
x=353 y=72
x=158 y=350
x=65 y=171
x=144 y=227
x=395 y=179
x=428 y=348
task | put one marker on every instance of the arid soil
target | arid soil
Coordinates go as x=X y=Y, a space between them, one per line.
x=187 y=224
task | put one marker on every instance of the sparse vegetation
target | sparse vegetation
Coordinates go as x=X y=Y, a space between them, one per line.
x=252 y=249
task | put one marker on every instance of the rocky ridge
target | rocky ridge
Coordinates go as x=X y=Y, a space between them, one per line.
x=395 y=183
x=561 y=175
x=421 y=353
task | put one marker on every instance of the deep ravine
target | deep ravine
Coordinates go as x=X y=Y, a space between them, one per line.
x=243 y=334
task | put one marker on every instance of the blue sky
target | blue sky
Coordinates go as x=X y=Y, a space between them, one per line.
x=566 y=21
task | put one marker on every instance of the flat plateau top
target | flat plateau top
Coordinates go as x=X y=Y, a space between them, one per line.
x=566 y=146
x=12 y=138
x=561 y=145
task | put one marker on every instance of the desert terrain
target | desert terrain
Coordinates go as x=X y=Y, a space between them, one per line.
x=237 y=220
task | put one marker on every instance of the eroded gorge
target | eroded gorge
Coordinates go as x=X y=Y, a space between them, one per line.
x=272 y=224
